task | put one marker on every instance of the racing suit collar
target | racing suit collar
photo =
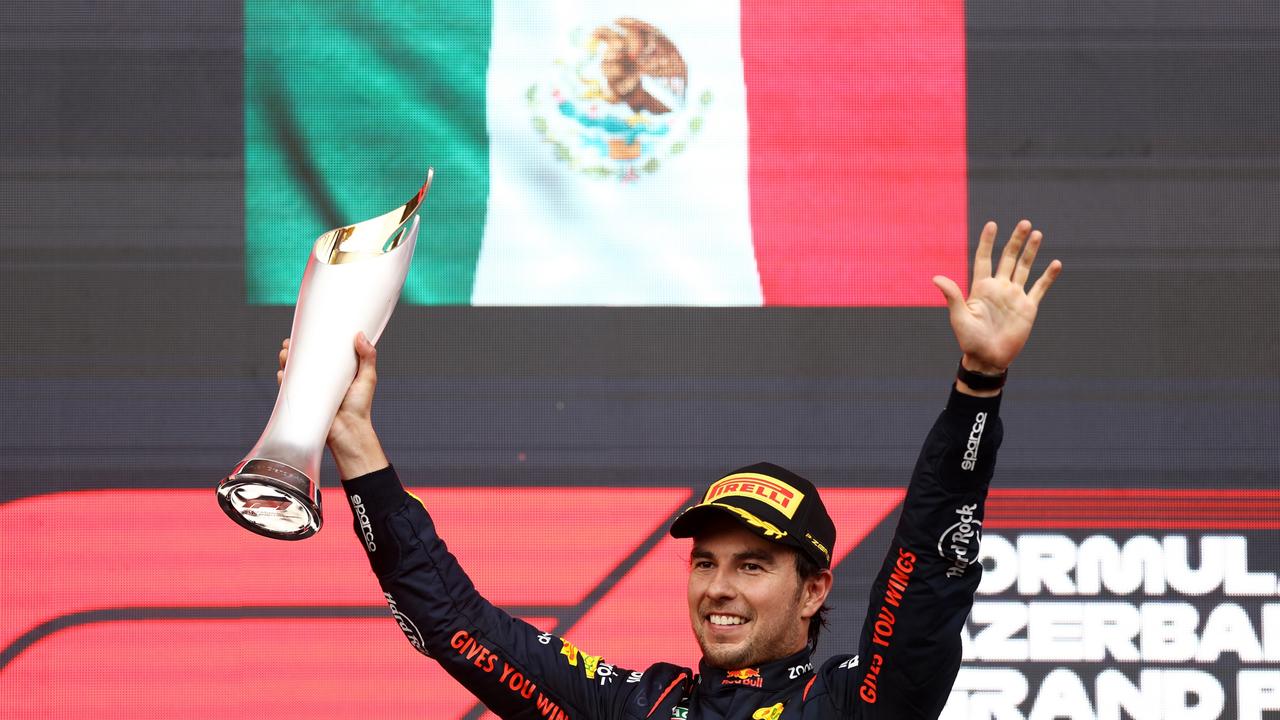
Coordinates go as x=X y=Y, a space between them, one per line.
x=772 y=676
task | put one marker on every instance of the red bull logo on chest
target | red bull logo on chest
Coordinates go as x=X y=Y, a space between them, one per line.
x=747 y=676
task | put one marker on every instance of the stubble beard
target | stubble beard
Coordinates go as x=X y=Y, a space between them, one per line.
x=728 y=658
x=763 y=645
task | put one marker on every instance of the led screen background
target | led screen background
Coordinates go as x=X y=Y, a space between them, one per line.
x=136 y=374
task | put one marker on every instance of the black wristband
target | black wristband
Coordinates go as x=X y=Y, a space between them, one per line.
x=980 y=381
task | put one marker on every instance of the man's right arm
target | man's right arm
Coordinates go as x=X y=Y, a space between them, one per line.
x=514 y=668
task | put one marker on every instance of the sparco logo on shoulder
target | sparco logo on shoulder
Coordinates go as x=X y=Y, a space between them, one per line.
x=366 y=528
x=975 y=438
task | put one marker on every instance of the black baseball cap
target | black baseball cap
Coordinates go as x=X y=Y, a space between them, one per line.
x=770 y=500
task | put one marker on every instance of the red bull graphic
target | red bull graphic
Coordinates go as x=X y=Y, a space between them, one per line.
x=747 y=676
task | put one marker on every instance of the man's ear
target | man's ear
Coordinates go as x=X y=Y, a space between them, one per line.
x=815 y=593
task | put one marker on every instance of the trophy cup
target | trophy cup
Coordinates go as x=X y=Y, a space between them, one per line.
x=351 y=284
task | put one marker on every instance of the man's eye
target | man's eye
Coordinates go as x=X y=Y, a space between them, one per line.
x=702 y=564
x=751 y=567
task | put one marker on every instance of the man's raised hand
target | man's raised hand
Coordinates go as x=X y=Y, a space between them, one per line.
x=995 y=322
x=352 y=440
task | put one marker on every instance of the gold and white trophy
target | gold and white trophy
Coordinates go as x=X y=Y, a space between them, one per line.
x=351 y=284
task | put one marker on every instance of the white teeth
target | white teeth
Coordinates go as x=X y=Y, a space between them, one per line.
x=727 y=620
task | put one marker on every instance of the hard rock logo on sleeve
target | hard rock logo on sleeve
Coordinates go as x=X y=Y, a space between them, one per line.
x=960 y=542
x=410 y=630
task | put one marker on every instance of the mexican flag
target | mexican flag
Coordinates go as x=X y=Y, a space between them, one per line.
x=665 y=152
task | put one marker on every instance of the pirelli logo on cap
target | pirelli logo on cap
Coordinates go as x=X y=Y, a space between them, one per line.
x=770 y=491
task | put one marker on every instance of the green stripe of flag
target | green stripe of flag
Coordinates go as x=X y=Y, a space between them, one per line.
x=346 y=105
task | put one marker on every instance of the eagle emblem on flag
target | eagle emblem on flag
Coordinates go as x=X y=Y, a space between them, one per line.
x=616 y=104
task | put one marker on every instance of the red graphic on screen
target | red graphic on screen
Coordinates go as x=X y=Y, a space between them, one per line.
x=194 y=616
x=239 y=668
x=114 y=621
x=97 y=608
x=1133 y=508
x=857 y=149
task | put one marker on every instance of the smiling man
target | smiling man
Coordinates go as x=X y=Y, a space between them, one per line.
x=758 y=571
x=760 y=565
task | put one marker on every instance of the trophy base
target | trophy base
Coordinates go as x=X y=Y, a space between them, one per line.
x=271 y=499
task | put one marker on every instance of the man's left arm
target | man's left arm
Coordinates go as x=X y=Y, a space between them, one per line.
x=910 y=644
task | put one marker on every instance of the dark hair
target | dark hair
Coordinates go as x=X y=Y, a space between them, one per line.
x=806 y=568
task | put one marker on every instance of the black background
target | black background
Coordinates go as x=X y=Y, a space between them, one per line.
x=1141 y=141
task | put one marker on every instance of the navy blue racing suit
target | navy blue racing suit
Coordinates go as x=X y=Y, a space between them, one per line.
x=908 y=654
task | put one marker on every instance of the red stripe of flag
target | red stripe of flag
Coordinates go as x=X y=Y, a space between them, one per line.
x=857 y=149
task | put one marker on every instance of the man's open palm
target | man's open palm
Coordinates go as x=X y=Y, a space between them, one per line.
x=995 y=322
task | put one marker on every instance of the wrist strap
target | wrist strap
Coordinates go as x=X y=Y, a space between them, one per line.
x=980 y=381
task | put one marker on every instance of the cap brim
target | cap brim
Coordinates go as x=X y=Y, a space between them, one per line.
x=696 y=517
x=692 y=519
